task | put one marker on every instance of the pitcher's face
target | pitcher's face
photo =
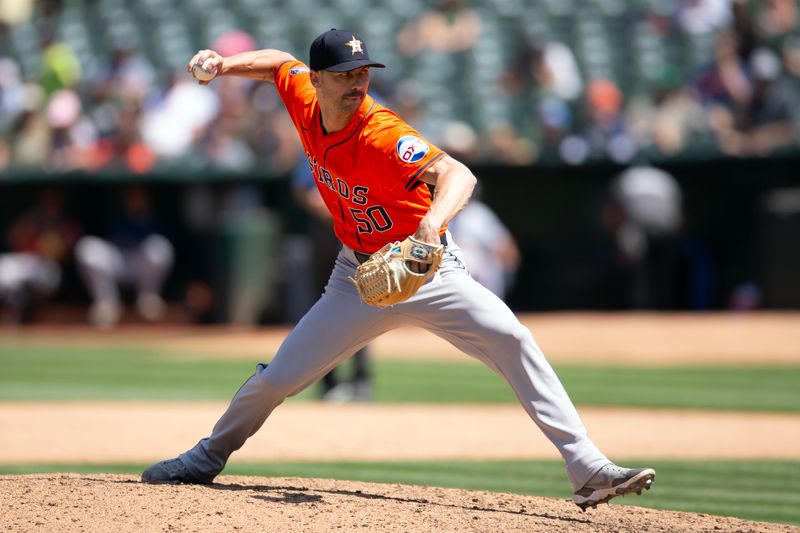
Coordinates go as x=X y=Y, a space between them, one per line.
x=344 y=90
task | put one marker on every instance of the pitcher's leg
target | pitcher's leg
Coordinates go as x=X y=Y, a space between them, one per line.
x=477 y=322
x=335 y=327
x=248 y=410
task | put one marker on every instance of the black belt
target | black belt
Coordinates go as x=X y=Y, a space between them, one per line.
x=362 y=257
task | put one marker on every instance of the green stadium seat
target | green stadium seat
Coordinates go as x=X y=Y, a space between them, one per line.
x=26 y=49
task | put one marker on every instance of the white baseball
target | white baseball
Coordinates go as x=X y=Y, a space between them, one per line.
x=204 y=72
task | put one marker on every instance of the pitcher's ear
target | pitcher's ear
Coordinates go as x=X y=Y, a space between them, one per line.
x=315 y=81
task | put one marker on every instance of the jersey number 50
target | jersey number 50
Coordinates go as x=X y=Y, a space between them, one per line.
x=372 y=219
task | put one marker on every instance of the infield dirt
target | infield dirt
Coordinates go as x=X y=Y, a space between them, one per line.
x=110 y=432
x=98 y=503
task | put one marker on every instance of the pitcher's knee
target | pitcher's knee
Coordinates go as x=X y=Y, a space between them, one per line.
x=273 y=385
x=510 y=341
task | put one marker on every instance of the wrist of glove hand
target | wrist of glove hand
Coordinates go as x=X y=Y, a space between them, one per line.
x=395 y=273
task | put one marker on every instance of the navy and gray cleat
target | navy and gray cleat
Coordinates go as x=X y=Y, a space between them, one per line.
x=170 y=471
x=612 y=481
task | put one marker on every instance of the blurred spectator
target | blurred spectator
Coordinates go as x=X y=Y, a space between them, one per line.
x=13 y=97
x=507 y=145
x=272 y=137
x=72 y=134
x=250 y=128
x=24 y=280
x=45 y=230
x=556 y=121
x=460 y=140
x=225 y=142
x=30 y=132
x=776 y=18
x=726 y=90
x=13 y=12
x=744 y=27
x=234 y=42
x=125 y=76
x=408 y=101
x=171 y=126
x=754 y=109
x=490 y=251
x=557 y=72
x=447 y=26
x=46 y=16
x=606 y=132
x=61 y=68
x=545 y=80
x=136 y=253
x=669 y=118
x=40 y=242
x=791 y=60
x=324 y=249
x=123 y=150
x=548 y=68
x=704 y=16
x=771 y=119
x=65 y=108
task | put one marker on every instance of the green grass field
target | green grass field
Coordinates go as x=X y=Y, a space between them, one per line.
x=117 y=373
x=758 y=490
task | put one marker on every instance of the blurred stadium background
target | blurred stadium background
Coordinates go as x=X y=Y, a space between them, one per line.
x=548 y=101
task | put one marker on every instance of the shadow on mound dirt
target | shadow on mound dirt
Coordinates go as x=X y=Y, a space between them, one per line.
x=101 y=502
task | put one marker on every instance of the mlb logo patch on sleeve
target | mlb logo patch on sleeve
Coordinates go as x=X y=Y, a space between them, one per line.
x=411 y=149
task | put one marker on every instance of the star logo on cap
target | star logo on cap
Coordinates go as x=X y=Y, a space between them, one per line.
x=355 y=46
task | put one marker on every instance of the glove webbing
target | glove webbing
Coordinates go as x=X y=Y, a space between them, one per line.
x=377 y=280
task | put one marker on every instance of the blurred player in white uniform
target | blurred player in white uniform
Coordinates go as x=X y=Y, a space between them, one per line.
x=136 y=253
x=491 y=253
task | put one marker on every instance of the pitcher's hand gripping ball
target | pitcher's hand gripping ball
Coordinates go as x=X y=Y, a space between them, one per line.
x=395 y=273
x=205 y=71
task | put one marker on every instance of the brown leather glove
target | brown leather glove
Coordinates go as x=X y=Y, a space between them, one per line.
x=395 y=273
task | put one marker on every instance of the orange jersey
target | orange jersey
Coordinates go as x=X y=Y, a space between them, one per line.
x=368 y=173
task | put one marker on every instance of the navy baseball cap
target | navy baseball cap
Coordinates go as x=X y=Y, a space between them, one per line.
x=340 y=51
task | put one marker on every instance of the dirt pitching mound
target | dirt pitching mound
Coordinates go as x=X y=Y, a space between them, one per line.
x=101 y=502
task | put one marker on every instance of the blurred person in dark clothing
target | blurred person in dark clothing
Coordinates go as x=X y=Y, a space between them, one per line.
x=749 y=107
x=652 y=260
x=606 y=132
x=756 y=113
x=135 y=253
x=668 y=117
x=125 y=75
x=776 y=19
x=772 y=115
x=727 y=81
x=39 y=241
x=122 y=149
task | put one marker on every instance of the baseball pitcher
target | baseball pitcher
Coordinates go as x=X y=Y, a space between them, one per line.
x=391 y=194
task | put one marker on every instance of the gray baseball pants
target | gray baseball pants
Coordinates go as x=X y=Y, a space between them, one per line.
x=453 y=306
